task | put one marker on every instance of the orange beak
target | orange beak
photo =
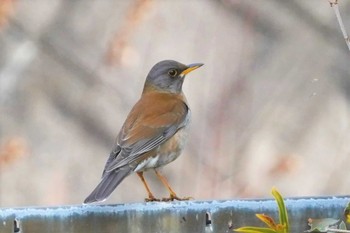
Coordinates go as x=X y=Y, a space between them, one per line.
x=190 y=68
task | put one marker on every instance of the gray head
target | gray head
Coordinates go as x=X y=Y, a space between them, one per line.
x=168 y=76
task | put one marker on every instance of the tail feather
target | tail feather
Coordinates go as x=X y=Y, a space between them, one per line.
x=108 y=183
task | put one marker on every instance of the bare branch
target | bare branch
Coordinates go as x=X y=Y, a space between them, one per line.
x=334 y=5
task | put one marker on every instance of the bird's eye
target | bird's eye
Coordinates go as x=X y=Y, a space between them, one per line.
x=172 y=73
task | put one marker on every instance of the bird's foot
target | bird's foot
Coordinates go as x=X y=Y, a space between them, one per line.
x=174 y=197
x=151 y=199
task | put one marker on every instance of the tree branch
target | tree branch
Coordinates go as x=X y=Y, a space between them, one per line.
x=334 y=5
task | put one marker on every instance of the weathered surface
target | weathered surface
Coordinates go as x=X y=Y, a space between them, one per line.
x=184 y=217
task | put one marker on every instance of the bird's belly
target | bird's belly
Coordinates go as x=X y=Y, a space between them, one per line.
x=166 y=152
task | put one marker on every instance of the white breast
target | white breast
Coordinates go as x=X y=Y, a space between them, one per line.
x=150 y=162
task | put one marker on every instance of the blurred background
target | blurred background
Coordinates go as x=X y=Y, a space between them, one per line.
x=271 y=106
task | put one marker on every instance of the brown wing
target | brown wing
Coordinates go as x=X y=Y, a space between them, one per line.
x=154 y=119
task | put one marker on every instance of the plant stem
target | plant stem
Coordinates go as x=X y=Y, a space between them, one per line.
x=337 y=230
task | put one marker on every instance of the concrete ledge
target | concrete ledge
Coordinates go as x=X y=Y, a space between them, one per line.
x=184 y=217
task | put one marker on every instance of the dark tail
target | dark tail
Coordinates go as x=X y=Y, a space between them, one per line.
x=108 y=183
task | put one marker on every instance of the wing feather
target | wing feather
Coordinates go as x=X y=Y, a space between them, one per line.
x=152 y=121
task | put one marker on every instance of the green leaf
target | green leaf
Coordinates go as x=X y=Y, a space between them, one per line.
x=342 y=226
x=254 y=230
x=283 y=215
x=322 y=224
x=347 y=213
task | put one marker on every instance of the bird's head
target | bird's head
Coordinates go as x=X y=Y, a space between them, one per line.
x=168 y=76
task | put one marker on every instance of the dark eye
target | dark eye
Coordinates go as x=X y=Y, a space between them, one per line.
x=172 y=73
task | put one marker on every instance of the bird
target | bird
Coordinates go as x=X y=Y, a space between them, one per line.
x=153 y=134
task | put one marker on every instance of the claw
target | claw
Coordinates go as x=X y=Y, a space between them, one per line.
x=172 y=198
x=151 y=199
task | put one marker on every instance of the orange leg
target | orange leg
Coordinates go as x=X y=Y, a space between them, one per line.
x=150 y=195
x=173 y=195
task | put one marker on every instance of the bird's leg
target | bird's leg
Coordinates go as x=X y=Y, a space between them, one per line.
x=173 y=195
x=150 y=195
